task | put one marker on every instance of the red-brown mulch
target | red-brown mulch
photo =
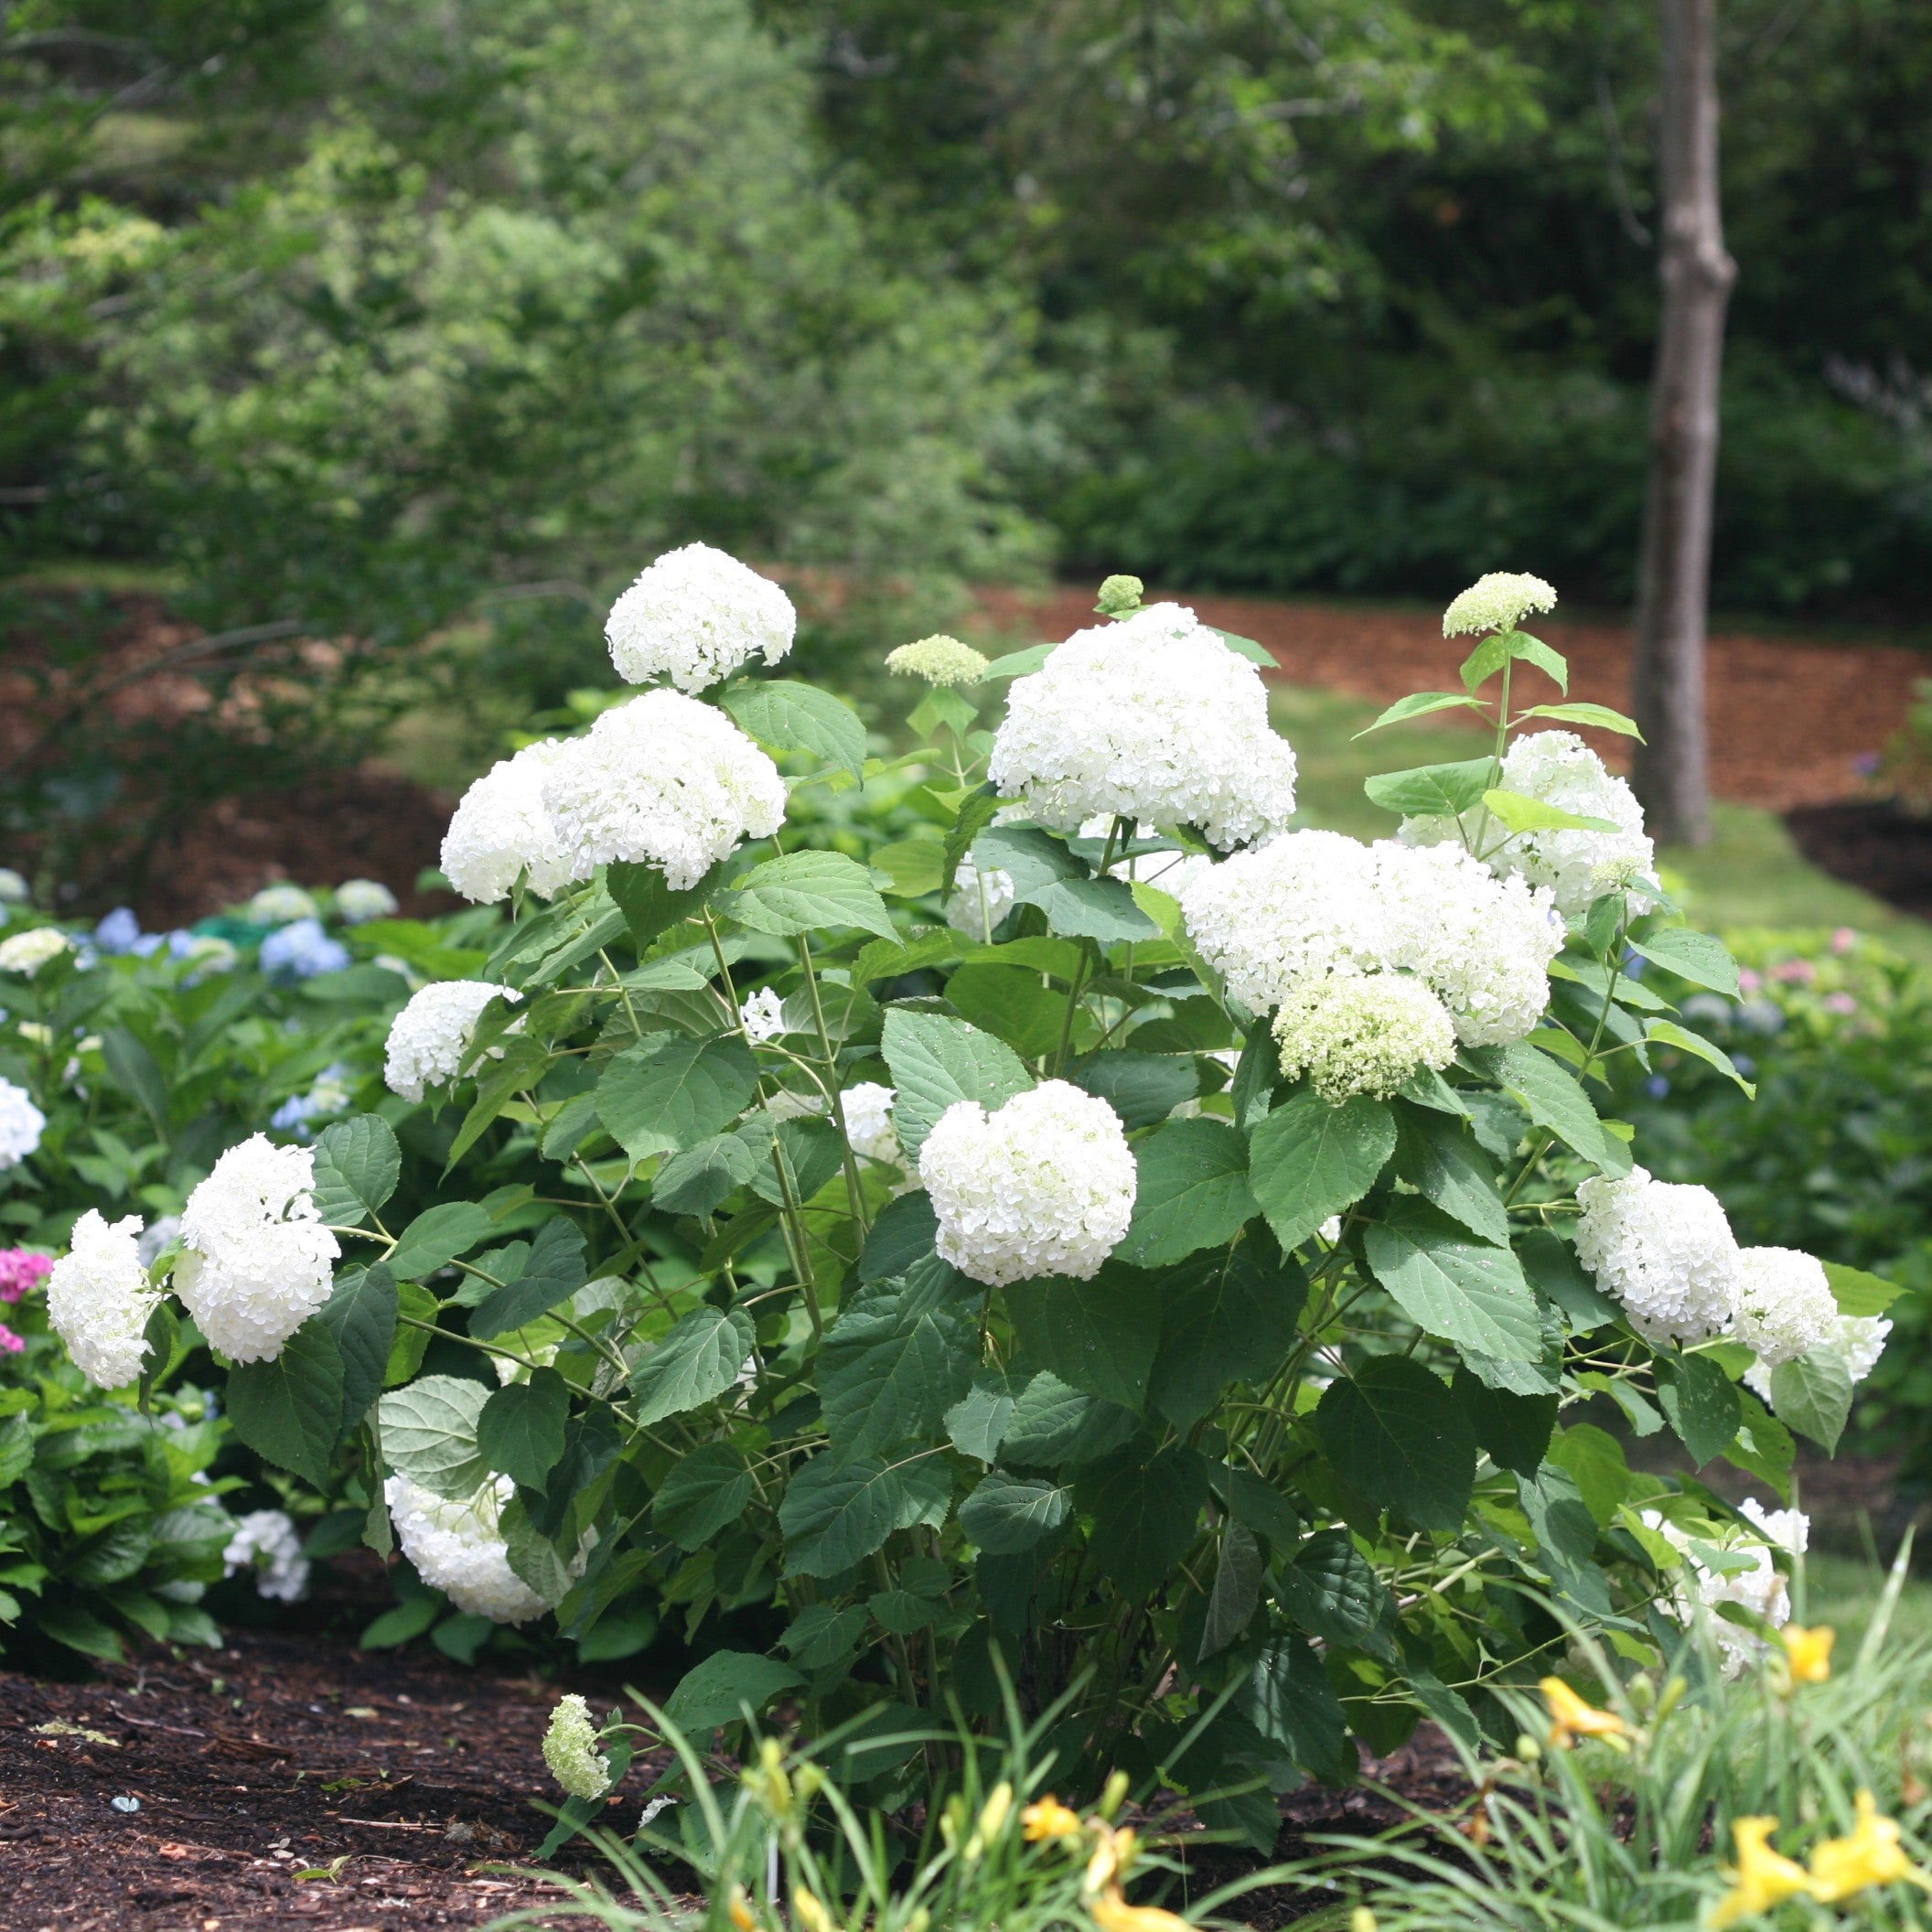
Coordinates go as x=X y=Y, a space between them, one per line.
x=1789 y=717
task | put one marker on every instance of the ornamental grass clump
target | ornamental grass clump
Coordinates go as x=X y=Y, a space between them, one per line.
x=1016 y=1208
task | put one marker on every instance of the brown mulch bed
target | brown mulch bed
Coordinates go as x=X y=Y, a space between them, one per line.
x=1872 y=843
x=1789 y=717
x=275 y=1754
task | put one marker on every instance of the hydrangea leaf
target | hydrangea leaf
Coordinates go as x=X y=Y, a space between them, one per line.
x=803 y=891
x=1330 y=1589
x=357 y=1165
x=724 y=1687
x=1693 y=956
x=1290 y=1699
x=1008 y=1514
x=649 y=906
x=1431 y=790
x=551 y=1273
x=665 y=1094
x=520 y=1430
x=1441 y=1159
x=1146 y=1511
x=1813 y=1395
x=1308 y=1160
x=901 y=1354
x=1055 y=1426
x=1514 y=1428
x=1450 y=1284
x=977 y=1424
x=696 y=1362
x=1701 y=1403
x=936 y=1061
x=361 y=1316
x=429 y=1433
x=1192 y=1192
x=704 y=1493
x=1858 y=1293
x=290 y=1409
x=1230 y=1316
x=436 y=1237
x=1394 y=1433
x=1236 y=1591
x=835 y=1515
x=1099 y=1337
x=790 y=716
x=1011 y=1004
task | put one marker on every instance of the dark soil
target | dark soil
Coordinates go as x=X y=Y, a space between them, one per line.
x=1872 y=843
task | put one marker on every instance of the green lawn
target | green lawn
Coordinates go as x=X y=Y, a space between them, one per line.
x=1843 y=1591
x=1750 y=874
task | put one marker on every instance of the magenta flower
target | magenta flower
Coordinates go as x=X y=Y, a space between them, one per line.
x=22 y=1270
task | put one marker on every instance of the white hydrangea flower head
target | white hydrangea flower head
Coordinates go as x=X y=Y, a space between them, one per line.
x=98 y=1299
x=1362 y=1033
x=21 y=1125
x=979 y=901
x=500 y=829
x=1761 y=1589
x=694 y=616
x=428 y=1039
x=1784 y=1304
x=762 y=1016
x=1043 y=1184
x=1499 y=601
x=1153 y=718
x=867 y=1108
x=664 y=781
x=1300 y=907
x=267 y=1542
x=1857 y=1341
x=1578 y=867
x=569 y=1749
x=1483 y=944
x=255 y=1264
x=27 y=953
x=14 y=889
x=457 y=1548
x=282 y=905
x=938 y=660
x=1666 y=1252
x=357 y=901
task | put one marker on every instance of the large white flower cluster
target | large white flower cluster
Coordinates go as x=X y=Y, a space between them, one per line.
x=569 y=1749
x=1316 y=903
x=1499 y=601
x=21 y=1125
x=458 y=1548
x=664 y=781
x=428 y=1039
x=500 y=829
x=1761 y=1589
x=255 y=1260
x=27 y=953
x=694 y=616
x=1483 y=944
x=1664 y=1252
x=1362 y=1033
x=1857 y=1341
x=1578 y=866
x=357 y=901
x=867 y=1108
x=98 y=1299
x=1043 y=1184
x=267 y=1543
x=1784 y=1304
x=1154 y=719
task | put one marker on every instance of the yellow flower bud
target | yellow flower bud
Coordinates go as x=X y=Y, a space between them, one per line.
x=1048 y=1818
x=1807 y=1653
x=807 y=1909
x=1114 y=1796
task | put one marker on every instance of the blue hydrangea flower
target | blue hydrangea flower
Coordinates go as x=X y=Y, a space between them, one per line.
x=119 y=932
x=302 y=950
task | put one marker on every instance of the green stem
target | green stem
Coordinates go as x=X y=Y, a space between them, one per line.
x=854 y=1188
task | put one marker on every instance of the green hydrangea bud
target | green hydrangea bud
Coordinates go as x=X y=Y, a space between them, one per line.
x=938 y=660
x=1120 y=596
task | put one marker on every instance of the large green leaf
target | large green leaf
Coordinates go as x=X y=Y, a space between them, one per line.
x=977 y=1424
x=804 y=891
x=361 y=1317
x=724 y=1687
x=1011 y=1004
x=1394 y=1433
x=835 y=1515
x=134 y=1069
x=1145 y=1511
x=649 y=906
x=1102 y=909
x=1290 y=1699
x=1452 y=1285
x=1237 y=1592
x=1514 y=1429
x=1813 y=1395
x=1565 y=1536
x=1431 y=790
x=696 y=1362
x=706 y=1492
x=553 y=1273
x=1055 y=1426
x=1230 y=1316
x=1420 y=704
x=429 y=1432
x=357 y=1165
x=1858 y=1293
x=1553 y=1099
x=1330 y=1589
x=290 y=1409
x=1192 y=1192
x=1693 y=956
x=900 y=1356
x=520 y=1430
x=936 y=1062
x=437 y=1236
x=1308 y=1160
x=790 y=716
x=671 y=1092
x=1143 y=1088
x=1521 y=812
x=1700 y=1401
x=903 y=1235
x=1008 y=1514
x=1099 y=1337
x=1594 y=1458
x=1437 y=1155
x=1031 y=858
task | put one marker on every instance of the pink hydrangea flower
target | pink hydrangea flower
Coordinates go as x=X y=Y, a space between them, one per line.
x=21 y=1270
x=1796 y=973
x=10 y=1343
x=1839 y=1002
x=1843 y=939
x=1747 y=980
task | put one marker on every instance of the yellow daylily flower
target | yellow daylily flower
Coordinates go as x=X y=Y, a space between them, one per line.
x=808 y=1912
x=1048 y=1818
x=1872 y=1855
x=1764 y=1878
x=1111 y=1912
x=742 y=1916
x=1572 y=1717
x=1807 y=1653
x=1113 y=1853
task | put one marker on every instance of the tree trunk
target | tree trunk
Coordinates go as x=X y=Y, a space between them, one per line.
x=1671 y=771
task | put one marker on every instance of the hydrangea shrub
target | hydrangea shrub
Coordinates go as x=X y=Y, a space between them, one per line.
x=1112 y=1237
